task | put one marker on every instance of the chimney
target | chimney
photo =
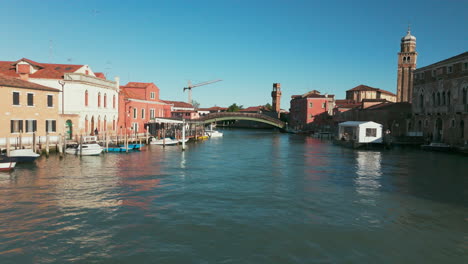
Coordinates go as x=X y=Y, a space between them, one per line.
x=24 y=70
x=117 y=83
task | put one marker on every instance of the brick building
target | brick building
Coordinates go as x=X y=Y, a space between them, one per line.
x=26 y=108
x=361 y=92
x=138 y=104
x=304 y=108
x=440 y=101
x=182 y=110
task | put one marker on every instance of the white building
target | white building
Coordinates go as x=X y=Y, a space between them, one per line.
x=360 y=131
x=87 y=101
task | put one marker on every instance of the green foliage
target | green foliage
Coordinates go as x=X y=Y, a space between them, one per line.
x=268 y=106
x=234 y=107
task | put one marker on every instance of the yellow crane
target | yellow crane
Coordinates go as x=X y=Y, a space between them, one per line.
x=190 y=86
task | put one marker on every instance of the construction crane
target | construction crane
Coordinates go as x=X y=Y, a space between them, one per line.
x=190 y=86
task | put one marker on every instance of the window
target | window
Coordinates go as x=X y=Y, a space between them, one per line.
x=86 y=98
x=113 y=101
x=453 y=123
x=31 y=126
x=433 y=99
x=438 y=98
x=16 y=126
x=142 y=113
x=449 y=69
x=30 y=99
x=50 y=100
x=99 y=100
x=310 y=104
x=51 y=126
x=151 y=113
x=152 y=95
x=421 y=101
x=448 y=98
x=371 y=132
x=16 y=98
x=464 y=94
x=324 y=105
x=135 y=113
x=465 y=66
x=426 y=123
x=443 y=98
x=105 y=100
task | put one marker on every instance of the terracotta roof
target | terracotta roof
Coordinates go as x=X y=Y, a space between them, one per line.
x=363 y=87
x=178 y=104
x=129 y=94
x=15 y=82
x=254 y=108
x=44 y=71
x=137 y=85
x=214 y=108
x=100 y=75
x=313 y=94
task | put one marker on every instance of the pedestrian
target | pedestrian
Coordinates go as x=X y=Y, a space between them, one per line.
x=96 y=132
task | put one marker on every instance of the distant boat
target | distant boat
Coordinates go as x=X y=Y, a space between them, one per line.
x=214 y=133
x=91 y=149
x=164 y=141
x=23 y=155
x=437 y=147
x=6 y=163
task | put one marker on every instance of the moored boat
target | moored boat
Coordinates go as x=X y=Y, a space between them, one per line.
x=214 y=133
x=23 y=155
x=6 y=163
x=91 y=149
x=434 y=146
x=164 y=141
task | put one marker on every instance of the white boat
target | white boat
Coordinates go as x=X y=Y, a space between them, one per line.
x=164 y=141
x=91 y=149
x=6 y=163
x=180 y=140
x=23 y=155
x=214 y=133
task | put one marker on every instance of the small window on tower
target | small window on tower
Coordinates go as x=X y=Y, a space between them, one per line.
x=449 y=69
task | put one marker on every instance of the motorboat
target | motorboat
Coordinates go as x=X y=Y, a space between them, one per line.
x=6 y=163
x=88 y=149
x=183 y=141
x=436 y=146
x=164 y=141
x=23 y=155
x=214 y=133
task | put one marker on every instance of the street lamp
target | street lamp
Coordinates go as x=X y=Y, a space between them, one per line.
x=62 y=82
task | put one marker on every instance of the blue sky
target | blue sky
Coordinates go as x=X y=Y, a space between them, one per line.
x=330 y=46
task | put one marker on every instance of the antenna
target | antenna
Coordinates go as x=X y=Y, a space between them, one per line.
x=51 y=51
x=108 y=68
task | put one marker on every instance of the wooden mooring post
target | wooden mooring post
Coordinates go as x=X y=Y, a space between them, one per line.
x=7 y=146
x=47 y=144
x=59 y=147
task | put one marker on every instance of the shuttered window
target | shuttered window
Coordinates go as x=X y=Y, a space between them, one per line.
x=50 y=100
x=51 y=126
x=16 y=126
x=31 y=126
x=30 y=99
x=16 y=98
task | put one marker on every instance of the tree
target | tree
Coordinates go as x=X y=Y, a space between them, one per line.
x=234 y=107
x=195 y=104
x=268 y=106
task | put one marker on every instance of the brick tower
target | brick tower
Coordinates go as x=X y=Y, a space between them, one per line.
x=276 y=98
x=406 y=66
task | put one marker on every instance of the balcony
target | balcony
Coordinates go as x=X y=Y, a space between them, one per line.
x=79 y=77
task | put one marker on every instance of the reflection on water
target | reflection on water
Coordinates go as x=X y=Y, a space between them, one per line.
x=368 y=171
x=250 y=197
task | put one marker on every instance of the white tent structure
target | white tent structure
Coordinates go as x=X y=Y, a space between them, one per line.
x=360 y=132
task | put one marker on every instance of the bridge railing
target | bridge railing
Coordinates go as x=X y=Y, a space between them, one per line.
x=237 y=114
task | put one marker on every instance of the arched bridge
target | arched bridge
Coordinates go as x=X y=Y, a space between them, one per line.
x=224 y=116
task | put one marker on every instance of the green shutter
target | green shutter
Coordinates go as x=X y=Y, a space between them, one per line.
x=54 y=125
x=12 y=124
x=34 y=125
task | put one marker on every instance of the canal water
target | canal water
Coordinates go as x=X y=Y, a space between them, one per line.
x=250 y=197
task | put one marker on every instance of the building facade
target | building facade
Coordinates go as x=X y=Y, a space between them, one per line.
x=361 y=92
x=406 y=65
x=88 y=102
x=305 y=108
x=440 y=101
x=27 y=108
x=182 y=110
x=138 y=104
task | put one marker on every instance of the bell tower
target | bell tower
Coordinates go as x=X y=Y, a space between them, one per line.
x=276 y=98
x=406 y=66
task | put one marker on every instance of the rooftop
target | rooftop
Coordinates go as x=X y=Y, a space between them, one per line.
x=18 y=83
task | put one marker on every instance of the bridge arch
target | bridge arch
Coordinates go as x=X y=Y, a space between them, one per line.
x=225 y=116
